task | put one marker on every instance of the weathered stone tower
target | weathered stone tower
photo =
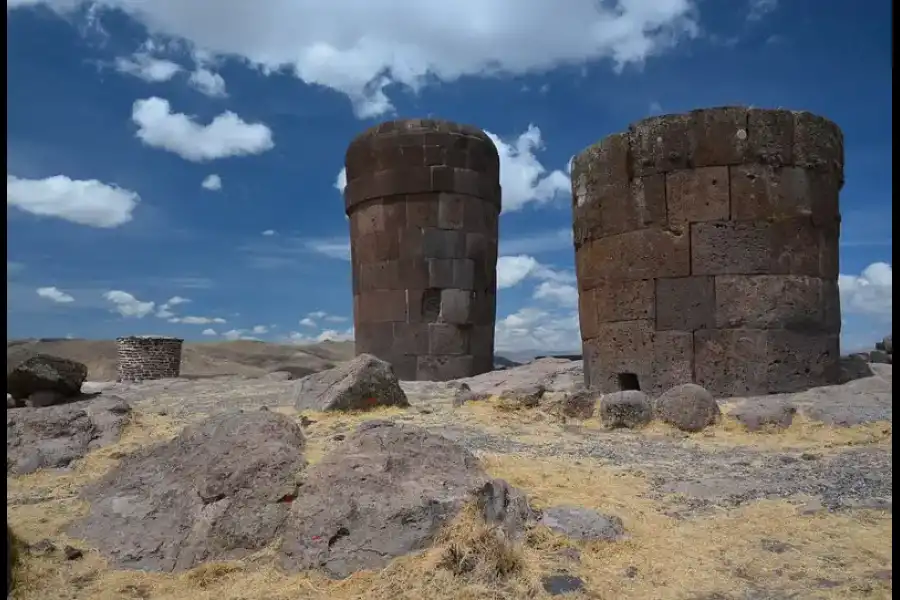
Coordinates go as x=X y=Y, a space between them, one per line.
x=707 y=251
x=423 y=198
x=149 y=357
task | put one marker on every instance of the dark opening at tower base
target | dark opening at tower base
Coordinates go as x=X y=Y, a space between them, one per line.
x=629 y=381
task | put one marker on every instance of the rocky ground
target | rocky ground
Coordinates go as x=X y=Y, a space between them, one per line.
x=796 y=512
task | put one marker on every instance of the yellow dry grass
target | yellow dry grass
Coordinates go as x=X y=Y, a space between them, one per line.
x=668 y=558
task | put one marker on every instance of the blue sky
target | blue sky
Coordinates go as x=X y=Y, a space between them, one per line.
x=173 y=167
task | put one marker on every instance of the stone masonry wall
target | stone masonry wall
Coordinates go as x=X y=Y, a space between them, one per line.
x=707 y=252
x=423 y=198
x=146 y=357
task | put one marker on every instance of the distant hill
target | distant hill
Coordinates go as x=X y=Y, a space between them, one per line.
x=199 y=359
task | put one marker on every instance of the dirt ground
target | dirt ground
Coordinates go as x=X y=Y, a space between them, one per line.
x=722 y=514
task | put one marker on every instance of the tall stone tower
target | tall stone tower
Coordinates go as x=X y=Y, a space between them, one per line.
x=707 y=252
x=423 y=198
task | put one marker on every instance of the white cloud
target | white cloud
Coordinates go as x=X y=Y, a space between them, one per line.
x=209 y=331
x=233 y=334
x=212 y=183
x=512 y=270
x=338 y=248
x=870 y=293
x=268 y=232
x=362 y=48
x=327 y=335
x=127 y=305
x=536 y=329
x=335 y=319
x=176 y=300
x=523 y=178
x=341 y=182
x=758 y=9
x=191 y=320
x=207 y=82
x=317 y=314
x=148 y=68
x=535 y=242
x=163 y=312
x=55 y=294
x=259 y=330
x=226 y=135
x=307 y=322
x=560 y=294
x=85 y=202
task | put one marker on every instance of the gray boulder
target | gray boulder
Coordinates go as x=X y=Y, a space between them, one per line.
x=384 y=492
x=578 y=404
x=364 y=383
x=45 y=373
x=580 y=523
x=220 y=490
x=52 y=437
x=526 y=396
x=762 y=414
x=628 y=408
x=689 y=407
x=853 y=367
x=505 y=507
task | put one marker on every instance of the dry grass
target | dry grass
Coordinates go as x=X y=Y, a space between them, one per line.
x=669 y=558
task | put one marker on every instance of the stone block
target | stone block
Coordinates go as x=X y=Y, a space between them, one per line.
x=635 y=205
x=481 y=342
x=730 y=247
x=829 y=250
x=476 y=246
x=685 y=303
x=791 y=302
x=771 y=137
x=443 y=243
x=444 y=368
x=410 y=338
x=718 y=136
x=475 y=219
x=456 y=306
x=673 y=361
x=620 y=349
x=375 y=338
x=422 y=211
x=411 y=242
x=660 y=144
x=451 y=211
x=381 y=306
x=463 y=274
x=818 y=143
x=413 y=273
x=394 y=214
x=380 y=275
x=440 y=272
x=694 y=195
x=797 y=361
x=620 y=300
x=731 y=362
x=369 y=218
x=444 y=338
x=405 y=366
x=642 y=254
x=601 y=166
x=587 y=314
x=760 y=192
x=484 y=307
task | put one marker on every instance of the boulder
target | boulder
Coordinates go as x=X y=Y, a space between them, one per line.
x=578 y=404
x=384 y=492
x=45 y=373
x=879 y=357
x=853 y=367
x=580 y=523
x=363 y=383
x=689 y=407
x=527 y=396
x=505 y=507
x=463 y=394
x=220 y=490
x=54 y=436
x=756 y=416
x=628 y=408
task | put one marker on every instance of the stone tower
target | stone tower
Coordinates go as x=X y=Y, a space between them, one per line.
x=707 y=251
x=145 y=357
x=423 y=198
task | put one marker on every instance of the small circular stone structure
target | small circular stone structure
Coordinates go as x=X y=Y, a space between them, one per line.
x=149 y=357
x=423 y=199
x=707 y=252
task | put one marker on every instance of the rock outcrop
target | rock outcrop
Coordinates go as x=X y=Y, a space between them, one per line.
x=44 y=380
x=364 y=383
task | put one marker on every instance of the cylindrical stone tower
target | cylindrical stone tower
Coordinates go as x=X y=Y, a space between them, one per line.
x=149 y=357
x=423 y=198
x=706 y=251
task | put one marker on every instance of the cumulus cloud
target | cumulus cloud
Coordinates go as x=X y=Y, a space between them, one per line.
x=307 y=322
x=338 y=248
x=208 y=82
x=759 y=9
x=85 y=202
x=559 y=294
x=268 y=232
x=146 y=67
x=127 y=305
x=341 y=181
x=212 y=183
x=328 y=335
x=537 y=329
x=523 y=178
x=360 y=49
x=259 y=330
x=193 y=320
x=55 y=294
x=870 y=293
x=512 y=270
x=209 y=331
x=225 y=136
